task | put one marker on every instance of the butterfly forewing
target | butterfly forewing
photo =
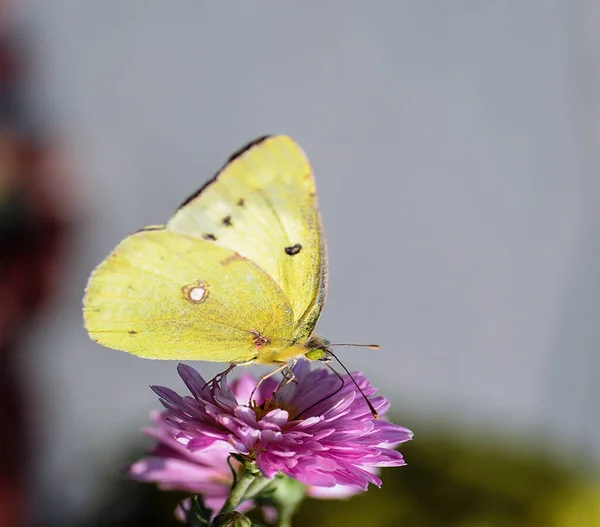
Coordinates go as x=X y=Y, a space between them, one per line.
x=263 y=206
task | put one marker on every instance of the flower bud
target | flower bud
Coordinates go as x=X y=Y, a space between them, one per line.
x=232 y=519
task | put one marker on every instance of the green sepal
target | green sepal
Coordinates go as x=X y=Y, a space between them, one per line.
x=283 y=493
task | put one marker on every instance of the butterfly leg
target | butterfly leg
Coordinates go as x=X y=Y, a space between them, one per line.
x=282 y=367
x=288 y=376
x=219 y=376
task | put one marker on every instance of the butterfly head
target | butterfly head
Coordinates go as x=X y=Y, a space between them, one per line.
x=318 y=349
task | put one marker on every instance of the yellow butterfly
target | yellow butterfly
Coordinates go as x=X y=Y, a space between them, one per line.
x=238 y=274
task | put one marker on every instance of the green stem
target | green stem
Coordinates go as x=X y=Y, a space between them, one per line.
x=284 y=518
x=238 y=491
x=287 y=497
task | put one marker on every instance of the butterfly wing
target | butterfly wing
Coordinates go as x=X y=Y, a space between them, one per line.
x=262 y=204
x=163 y=295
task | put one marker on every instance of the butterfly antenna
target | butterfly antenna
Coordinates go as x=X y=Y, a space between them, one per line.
x=324 y=398
x=371 y=407
x=371 y=346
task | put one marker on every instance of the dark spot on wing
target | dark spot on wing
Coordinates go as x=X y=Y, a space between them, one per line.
x=240 y=202
x=232 y=157
x=227 y=221
x=210 y=236
x=294 y=249
x=132 y=332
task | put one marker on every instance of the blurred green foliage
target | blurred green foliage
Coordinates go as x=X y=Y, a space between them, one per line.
x=464 y=483
x=448 y=482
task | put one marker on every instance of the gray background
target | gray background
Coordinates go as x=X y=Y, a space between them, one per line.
x=455 y=151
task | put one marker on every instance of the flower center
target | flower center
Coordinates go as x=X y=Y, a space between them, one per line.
x=271 y=403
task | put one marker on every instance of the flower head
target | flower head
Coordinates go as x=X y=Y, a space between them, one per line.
x=313 y=430
x=173 y=467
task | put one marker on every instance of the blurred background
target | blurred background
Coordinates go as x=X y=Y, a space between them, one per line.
x=456 y=152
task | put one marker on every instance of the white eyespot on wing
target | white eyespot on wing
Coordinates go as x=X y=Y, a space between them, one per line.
x=196 y=293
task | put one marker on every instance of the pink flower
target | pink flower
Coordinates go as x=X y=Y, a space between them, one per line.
x=173 y=467
x=330 y=442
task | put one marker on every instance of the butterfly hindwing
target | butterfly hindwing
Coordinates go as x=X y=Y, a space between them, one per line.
x=263 y=205
x=165 y=295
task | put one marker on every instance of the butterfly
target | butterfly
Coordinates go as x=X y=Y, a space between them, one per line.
x=237 y=275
